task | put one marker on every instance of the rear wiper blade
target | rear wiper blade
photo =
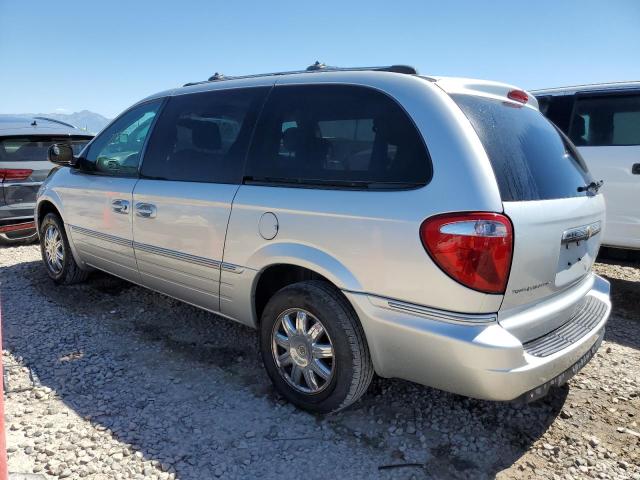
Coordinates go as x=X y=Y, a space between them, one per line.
x=591 y=188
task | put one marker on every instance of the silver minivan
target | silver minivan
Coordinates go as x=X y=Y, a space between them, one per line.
x=365 y=221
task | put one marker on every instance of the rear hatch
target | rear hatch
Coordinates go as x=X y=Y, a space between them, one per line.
x=556 y=221
x=24 y=166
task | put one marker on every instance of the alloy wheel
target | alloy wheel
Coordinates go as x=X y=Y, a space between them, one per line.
x=53 y=249
x=303 y=351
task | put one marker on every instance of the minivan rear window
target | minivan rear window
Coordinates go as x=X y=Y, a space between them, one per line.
x=531 y=158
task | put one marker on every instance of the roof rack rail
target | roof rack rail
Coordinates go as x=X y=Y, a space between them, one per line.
x=316 y=67
x=216 y=76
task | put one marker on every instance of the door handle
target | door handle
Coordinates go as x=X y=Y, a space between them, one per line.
x=120 y=206
x=635 y=169
x=146 y=210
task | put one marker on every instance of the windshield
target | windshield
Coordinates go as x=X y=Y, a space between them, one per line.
x=531 y=158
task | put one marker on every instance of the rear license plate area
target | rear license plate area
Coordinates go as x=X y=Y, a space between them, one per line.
x=578 y=249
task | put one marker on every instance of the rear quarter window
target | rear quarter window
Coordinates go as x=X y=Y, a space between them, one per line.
x=531 y=158
x=337 y=136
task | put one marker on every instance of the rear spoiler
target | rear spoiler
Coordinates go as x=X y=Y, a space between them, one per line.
x=486 y=88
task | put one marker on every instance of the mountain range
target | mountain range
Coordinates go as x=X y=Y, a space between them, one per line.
x=85 y=119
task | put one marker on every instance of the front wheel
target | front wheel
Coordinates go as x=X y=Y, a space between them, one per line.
x=313 y=347
x=56 y=252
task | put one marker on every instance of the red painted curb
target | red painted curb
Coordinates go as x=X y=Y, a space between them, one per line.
x=3 y=440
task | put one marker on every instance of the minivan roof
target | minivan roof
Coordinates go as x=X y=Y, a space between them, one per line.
x=17 y=125
x=450 y=85
x=592 y=87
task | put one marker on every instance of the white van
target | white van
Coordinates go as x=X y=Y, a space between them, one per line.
x=603 y=121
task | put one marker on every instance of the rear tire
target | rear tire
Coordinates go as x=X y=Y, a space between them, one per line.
x=327 y=345
x=56 y=252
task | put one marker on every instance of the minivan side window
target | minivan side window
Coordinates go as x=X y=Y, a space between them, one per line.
x=606 y=120
x=203 y=137
x=117 y=150
x=337 y=136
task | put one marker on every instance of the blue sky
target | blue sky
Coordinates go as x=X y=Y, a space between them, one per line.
x=71 y=55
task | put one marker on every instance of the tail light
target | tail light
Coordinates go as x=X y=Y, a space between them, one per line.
x=474 y=249
x=518 y=96
x=14 y=174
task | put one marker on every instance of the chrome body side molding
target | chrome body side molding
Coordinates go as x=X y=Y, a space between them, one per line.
x=165 y=252
x=230 y=267
x=432 y=313
x=102 y=236
x=185 y=257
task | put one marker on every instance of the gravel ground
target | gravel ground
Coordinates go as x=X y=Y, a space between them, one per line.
x=108 y=380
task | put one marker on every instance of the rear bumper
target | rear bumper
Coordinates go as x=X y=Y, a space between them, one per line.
x=17 y=228
x=17 y=222
x=474 y=355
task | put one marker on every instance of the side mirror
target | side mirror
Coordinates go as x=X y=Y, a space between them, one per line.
x=61 y=154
